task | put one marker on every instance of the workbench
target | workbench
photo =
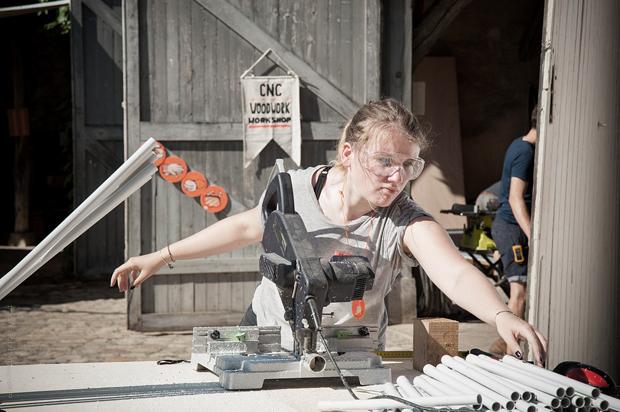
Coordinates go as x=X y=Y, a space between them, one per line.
x=138 y=386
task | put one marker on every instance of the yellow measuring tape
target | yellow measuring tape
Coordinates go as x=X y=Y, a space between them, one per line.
x=395 y=354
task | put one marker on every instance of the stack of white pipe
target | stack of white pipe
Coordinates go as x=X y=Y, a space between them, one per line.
x=129 y=177
x=482 y=382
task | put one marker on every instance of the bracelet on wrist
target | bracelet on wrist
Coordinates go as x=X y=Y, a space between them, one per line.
x=161 y=255
x=503 y=311
x=172 y=259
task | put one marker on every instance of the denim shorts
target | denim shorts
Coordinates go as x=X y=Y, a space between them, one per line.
x=506 y=236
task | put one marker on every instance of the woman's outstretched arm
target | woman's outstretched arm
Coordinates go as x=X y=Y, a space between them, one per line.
x=467 y=286
x=228 y=234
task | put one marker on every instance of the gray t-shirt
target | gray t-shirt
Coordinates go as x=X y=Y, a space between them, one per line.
x=377 y=235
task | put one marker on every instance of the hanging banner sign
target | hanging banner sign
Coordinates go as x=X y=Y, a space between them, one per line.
x=271 y=112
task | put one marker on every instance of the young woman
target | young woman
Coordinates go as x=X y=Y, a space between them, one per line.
x=357 y=206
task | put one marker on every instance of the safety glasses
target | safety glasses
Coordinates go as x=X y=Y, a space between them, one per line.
x=385 y=165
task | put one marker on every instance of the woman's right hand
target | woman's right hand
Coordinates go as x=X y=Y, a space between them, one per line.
x=144 y=266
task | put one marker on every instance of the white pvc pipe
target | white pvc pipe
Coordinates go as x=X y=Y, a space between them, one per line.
x=482 y=379
x=136 y=181
x=523 y=406
x=477 y=387
x=541 y=396
x=406 y=392
x=489 y=399
x=40 y=254
x=523 y=391
x=577 y=401
x=390 y=389
x=599 y=403
x=511 y=373
x=405 y=386
x=445 y=378
x=424 y=383
x=365 y=404
x=556 y=377
x=435 y=388
x=613 y=403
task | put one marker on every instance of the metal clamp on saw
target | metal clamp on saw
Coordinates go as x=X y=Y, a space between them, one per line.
x=244 y=356
x=306 y=282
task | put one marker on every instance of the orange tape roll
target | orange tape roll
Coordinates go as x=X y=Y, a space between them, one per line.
x=173 y=169
x=214 y=199
x=160 y=154
x=194 y=183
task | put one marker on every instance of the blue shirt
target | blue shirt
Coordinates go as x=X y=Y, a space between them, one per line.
x=519 y=162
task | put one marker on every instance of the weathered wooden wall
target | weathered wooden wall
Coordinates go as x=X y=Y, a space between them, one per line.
x=575 y=265
x=96 y=44
x=182 y=64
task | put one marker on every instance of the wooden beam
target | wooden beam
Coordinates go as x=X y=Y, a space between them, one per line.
x=102 y=154
x=227 y=131
x=114 y=133
x=260 y=39
x=157 y=322
x=131 y=137
x=396 y=51
x=441 y=14
x=106 y=14
x=212 y=265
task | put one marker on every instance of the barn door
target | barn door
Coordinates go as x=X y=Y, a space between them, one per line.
x=183 y=60
x=96 y=50
x=574 y=268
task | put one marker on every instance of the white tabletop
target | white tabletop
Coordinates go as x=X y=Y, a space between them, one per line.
x=94 y=386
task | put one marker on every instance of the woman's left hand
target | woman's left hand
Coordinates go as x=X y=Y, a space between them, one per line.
x=512 y=329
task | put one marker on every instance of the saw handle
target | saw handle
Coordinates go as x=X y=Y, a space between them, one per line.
x=278 y=196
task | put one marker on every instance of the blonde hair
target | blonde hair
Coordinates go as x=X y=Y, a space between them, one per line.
x=380 y=118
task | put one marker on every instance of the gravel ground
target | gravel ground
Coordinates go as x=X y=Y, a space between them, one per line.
x=86 y=322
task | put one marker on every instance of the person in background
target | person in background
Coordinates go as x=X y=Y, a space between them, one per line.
x=489 y=199
x=512 y=224
x=357 y=205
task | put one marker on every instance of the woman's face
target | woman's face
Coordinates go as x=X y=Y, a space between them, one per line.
x=379 y=169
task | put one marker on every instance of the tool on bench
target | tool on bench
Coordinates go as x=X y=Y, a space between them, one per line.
x=243 y=357
x=477 y=243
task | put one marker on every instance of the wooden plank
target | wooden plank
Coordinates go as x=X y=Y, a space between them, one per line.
x=157 y=47
x=114 y=133
x=172 y=46
x=187 y=293
x=396 y=54
x=198 y=67
x=117 y=81
x=170 y=132
x=186 y=51
x=212 y=265
x=104 y=12
x=155 y=322
x=131 y=121
x=358 y=51
x=79 y=160
x=373 y=47
x=104 y=155
x=256 y=36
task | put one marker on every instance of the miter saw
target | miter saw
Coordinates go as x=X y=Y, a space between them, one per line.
x=245 y=356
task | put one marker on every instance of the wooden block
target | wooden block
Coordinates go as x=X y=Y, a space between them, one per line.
x=433 y=338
